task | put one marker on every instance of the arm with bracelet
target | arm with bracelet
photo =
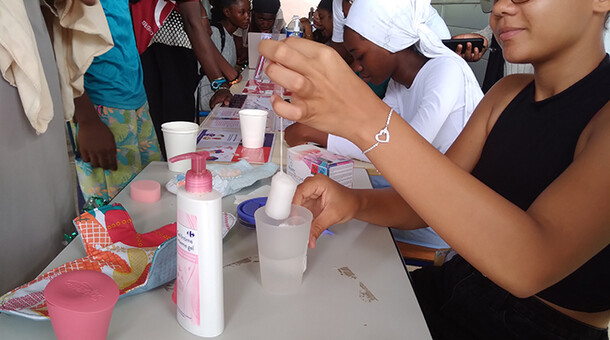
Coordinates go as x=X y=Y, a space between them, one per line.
x=526 y=222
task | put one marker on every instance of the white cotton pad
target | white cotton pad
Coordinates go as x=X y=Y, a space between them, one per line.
x=279 y=201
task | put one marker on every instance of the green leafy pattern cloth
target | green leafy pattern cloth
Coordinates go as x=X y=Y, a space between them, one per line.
x=136 y=144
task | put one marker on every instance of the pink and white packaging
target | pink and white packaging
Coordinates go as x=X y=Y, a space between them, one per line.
x=307 y=160
x=80 y=304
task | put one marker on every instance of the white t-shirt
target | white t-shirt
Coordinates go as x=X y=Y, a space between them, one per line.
x=433 y=106
x=434 y=21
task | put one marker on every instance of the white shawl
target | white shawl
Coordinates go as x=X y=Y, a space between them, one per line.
x=80 y=33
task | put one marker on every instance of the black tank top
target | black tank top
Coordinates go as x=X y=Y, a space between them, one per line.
x=530 y=145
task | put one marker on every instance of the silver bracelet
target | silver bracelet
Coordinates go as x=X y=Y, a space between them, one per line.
x=383 y=136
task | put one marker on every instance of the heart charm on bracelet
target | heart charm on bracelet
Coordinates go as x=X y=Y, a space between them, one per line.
x=383 y=136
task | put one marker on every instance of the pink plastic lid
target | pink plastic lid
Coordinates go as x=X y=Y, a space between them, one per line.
x=84 y=291
x=145 y=191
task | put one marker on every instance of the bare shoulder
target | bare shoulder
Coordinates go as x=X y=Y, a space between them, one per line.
x=503 y=92
x=466 y=149
x=515 y=82
x=597 y=133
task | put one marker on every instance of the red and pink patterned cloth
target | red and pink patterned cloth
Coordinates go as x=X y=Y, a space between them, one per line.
x=136 y=262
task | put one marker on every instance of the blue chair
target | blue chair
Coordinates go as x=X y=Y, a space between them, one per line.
x=412 y=254
x=201 y=115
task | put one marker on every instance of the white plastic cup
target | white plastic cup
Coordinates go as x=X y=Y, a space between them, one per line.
x=180 y=137
x=282 y=249
x=252 y=123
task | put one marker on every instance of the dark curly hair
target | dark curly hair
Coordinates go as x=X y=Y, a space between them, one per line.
x=218 y=7
x=265 y=6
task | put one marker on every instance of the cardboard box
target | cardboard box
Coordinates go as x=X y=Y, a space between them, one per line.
x=307 y=160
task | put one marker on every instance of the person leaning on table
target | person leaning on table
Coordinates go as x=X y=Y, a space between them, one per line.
x=523 y=193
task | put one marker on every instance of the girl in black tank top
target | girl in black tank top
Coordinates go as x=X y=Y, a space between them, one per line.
x=523 y=195
x=531 y=144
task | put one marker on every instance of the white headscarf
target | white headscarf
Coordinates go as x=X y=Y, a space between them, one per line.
x=395 y=25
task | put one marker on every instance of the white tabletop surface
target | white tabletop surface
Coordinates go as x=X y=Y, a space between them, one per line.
x=355 y=286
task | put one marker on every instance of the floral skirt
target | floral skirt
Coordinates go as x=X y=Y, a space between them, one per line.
x=136 y=144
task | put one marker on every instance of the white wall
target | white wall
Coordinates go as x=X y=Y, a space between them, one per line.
x=464 y=17
x=461 y=16
x=298 y=7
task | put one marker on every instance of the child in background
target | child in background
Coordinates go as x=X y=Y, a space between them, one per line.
x=113 y=130
x=267 y=17
x=322 y=22
x=227 y=17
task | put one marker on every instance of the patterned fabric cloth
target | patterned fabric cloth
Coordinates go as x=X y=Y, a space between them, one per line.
x=136 y=262
x=136 y=144
x=114 y=248
x=172 y=32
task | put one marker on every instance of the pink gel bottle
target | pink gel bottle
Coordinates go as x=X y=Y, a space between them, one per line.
x=199 y=291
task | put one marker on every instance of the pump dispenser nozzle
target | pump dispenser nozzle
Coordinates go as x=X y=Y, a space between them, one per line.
x=198 y=178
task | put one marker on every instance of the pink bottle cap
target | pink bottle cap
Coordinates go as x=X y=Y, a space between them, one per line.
x=199 y=178
x=80 y=304
x=145 y=191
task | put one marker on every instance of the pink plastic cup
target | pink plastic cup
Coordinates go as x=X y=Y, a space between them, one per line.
x=80 y=304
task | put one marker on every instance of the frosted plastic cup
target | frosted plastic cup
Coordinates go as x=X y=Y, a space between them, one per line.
x=80 y=304
x=282 y=249
x=252 y=123
x=180 y=137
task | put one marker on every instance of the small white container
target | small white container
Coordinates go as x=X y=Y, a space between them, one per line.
x=252 y=123
x=180 y=138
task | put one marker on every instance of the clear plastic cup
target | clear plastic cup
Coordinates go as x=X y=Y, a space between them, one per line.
x=252 y=123
x=180 y=137
x=282 y=249
x=80 y=304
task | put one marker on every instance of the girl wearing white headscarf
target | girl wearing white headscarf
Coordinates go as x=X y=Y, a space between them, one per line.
x=434 y=21
x=396 y=25
x=439 y=100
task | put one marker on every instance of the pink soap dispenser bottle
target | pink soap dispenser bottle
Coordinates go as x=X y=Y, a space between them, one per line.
x=199 y=291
